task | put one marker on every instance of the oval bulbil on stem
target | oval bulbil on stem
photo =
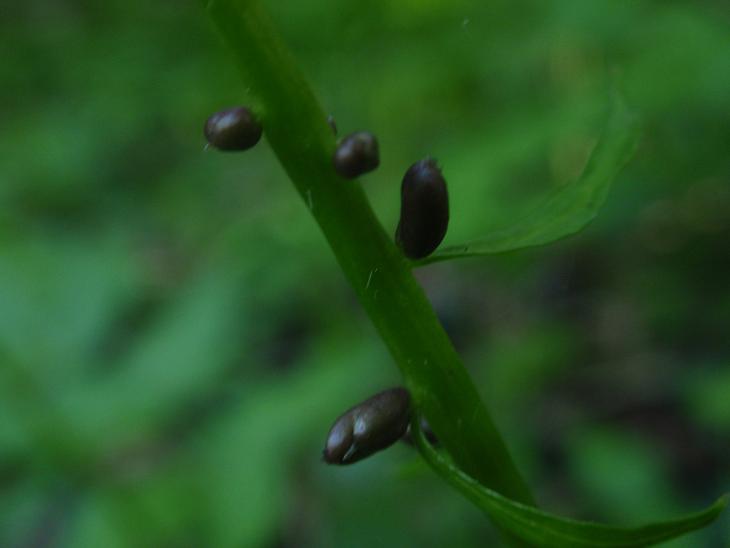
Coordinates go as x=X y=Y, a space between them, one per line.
x=233 y=129
x=424 y=213
x=368 y=427
x=356 y=154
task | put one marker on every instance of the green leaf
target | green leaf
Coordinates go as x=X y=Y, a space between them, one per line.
x=568 y=209
x=539 y=528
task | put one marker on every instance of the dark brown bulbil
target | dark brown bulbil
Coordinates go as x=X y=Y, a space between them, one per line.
x=370 y=426
x=356 y=154
x=233 y=129
x=424 y=213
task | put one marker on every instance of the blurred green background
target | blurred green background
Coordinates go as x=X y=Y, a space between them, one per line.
x=176 y=337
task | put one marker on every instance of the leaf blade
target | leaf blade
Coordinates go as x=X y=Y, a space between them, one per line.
x=540 y=528
x=570 y=208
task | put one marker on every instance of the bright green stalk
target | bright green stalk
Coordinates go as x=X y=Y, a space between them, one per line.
x=296 y=127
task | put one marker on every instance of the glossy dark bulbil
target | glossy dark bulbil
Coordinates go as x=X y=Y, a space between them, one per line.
x=424 y=211
x=356 y=154
x=233 y=129
x=370 y=426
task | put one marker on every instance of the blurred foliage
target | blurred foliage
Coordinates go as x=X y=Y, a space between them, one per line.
x=175 y=337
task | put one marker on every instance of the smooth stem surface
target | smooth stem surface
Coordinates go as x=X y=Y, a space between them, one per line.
x=296 y=127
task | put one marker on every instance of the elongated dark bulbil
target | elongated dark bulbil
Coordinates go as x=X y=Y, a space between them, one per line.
x=356 y=154
x=233 y=129
x=424 y=210
x=370 y=426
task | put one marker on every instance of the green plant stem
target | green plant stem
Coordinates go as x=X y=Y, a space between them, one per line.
x=296 y=127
